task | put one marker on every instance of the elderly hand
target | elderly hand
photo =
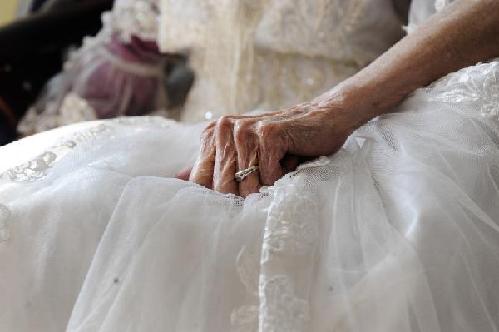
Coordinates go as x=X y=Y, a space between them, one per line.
x=275 y=142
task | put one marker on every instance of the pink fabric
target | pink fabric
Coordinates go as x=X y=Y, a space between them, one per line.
x=113 y=91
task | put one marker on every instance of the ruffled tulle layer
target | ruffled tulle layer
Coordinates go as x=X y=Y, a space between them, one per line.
x=398 y=231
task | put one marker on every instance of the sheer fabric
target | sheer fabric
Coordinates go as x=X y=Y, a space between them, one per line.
x=398 y=231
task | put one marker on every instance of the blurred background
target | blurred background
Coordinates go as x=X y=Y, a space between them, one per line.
x=65 y=61
x=7 y=11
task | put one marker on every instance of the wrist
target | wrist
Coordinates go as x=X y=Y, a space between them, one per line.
x=347 y=108
x=356 y=101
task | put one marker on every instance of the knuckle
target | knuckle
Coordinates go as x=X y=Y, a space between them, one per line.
x=224 y=123
x=266 y=130
x=242 y=131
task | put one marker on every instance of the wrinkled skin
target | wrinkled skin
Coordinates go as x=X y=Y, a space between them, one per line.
x=462 y=34
x=276 y=142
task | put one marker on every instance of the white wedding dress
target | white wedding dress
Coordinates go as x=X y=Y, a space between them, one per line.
x=397 y=232
x=269 y=54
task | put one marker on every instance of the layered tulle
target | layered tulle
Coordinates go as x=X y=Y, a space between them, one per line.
x=398 y=231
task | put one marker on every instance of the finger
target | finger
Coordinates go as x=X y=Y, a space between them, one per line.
x=225 y=158
x=184 y=174
x=203 y=169
x=271 y=151
x=247 y=156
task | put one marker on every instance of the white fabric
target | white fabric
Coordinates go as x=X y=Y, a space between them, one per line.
x=272 y=53
x=421 y=10
x=399 y=231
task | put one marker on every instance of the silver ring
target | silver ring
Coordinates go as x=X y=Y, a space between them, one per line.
x=242 y=174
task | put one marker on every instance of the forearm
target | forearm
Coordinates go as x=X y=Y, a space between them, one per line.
x=463 y=34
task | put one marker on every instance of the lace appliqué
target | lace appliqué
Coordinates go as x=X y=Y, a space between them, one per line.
x=4 y=226
x=32 y=170
x=282 y=309
x=289 y=230
x=478 y=84
x=72 y=109
x=38 y=167
x=288 y=250
x=276 y=284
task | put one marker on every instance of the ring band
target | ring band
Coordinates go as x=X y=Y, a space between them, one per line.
x=242 y=174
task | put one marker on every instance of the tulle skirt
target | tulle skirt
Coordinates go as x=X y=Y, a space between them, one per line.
x=398 y=231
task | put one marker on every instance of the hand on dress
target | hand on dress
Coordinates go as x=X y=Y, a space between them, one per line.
x=275 y=142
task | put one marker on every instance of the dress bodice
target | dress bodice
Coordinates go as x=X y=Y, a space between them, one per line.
x=346 y=30
x=272 y=53
x=266 y=54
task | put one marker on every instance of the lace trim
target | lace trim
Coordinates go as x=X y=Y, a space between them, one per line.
x=273 y=303
x=38 y=167
x=477 y=84
x=286 y=234
x=283 y=310
x=73 y=109
x=4 y=226
x=290 y=235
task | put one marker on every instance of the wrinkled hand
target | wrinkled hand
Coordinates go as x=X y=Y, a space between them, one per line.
x=276 y=142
